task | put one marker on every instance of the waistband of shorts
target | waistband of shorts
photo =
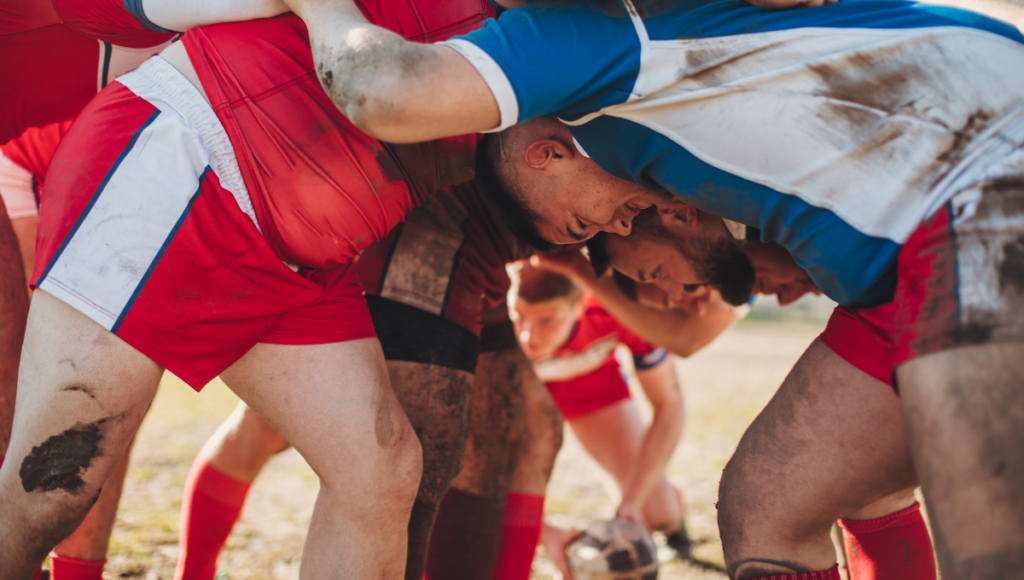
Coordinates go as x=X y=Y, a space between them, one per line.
x=158 y=82
x=1003 y=136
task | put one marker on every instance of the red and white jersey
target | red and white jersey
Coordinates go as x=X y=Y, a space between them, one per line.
x=321 y=190
x=55 y=55
x=583 y=375
x=591 y=348
x=23 y=165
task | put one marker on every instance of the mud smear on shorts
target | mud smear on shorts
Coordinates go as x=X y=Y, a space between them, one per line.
x=59 y=462
x=1011 y=269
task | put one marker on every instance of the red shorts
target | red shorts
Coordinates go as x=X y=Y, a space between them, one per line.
x=961 y=273
x=144 y=229
x=592 y=392
x=859 y=343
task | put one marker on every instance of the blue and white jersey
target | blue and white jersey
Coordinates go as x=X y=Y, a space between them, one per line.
x=834 y=131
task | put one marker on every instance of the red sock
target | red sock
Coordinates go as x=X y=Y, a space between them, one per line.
x=894 y=547
x=210 y=508
x=524 y=514
x=62 y=568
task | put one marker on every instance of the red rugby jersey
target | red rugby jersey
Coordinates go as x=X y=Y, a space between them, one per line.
x=588 y=357
x=448 y=259
x=322 y=190
x=55 y=55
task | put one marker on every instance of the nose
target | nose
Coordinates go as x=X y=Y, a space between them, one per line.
x=788 y=294
x=672 y=289
x=618 y=225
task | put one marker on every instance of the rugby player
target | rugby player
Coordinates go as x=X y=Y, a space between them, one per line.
x=571 y=340
x=875 y=141
x=201 y=271
x=885 y=537
x=54 y=57
x=23 y=167
x=429 y=282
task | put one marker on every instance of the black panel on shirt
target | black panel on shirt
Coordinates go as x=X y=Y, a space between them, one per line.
x=409 y=334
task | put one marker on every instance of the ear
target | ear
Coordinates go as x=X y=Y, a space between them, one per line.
x=543 y=153
x=677 y=215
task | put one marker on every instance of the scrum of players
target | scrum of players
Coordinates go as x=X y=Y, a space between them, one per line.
x=318 y=207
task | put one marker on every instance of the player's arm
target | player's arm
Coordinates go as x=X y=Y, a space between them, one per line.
x=181 y=15
x=661 y=386
x=13 y=315
x=674 y=330
x=394 y=90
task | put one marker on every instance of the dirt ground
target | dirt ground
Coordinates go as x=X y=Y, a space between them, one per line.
x=726 y=385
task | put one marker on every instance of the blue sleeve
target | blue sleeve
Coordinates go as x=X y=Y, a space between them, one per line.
x=650 y=360
x=564 y=58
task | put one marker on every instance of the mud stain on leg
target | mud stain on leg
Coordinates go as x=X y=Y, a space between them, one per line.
x=80 y=389
x=60 y=461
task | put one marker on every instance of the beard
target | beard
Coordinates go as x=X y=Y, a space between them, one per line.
x=721 y=263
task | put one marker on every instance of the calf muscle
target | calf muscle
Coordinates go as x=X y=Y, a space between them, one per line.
x=830 y=442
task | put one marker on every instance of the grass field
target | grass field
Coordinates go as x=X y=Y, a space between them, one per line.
x=726 y=385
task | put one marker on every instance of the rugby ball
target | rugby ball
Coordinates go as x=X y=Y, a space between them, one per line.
x=615 y=550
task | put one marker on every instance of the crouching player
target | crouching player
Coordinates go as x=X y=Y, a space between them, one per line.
x=571 y=339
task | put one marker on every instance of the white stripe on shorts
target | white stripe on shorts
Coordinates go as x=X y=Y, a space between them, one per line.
x=167 y=89
x=118 y=240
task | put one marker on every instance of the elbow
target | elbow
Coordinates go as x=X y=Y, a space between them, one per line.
x=373 y=87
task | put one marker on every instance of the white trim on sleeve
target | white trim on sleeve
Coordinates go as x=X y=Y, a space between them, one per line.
x=495 y=78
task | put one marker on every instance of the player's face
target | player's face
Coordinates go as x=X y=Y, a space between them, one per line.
x=542 y=327
x=589 y=202
x=654 y=262
x=777 y=273
x=695 y=299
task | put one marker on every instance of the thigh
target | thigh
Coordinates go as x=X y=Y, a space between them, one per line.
x=436 y=399
x=613 y=436
x=965 y=413
x=829 y=442
x=333 y=403
x=497 y=425
x=82 y=394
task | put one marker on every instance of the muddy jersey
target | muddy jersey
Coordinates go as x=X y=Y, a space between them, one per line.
x=320 y=190
x=55 y=55
x=835 y=131
x=447 y=259
x=588 y=357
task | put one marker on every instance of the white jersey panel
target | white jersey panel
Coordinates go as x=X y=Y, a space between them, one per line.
x=564 y=368
x=850 y=120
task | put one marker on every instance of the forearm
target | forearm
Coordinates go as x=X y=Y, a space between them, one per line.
x=182 y=15
x=674 y=330
x=659 y=443
x=13 y=314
